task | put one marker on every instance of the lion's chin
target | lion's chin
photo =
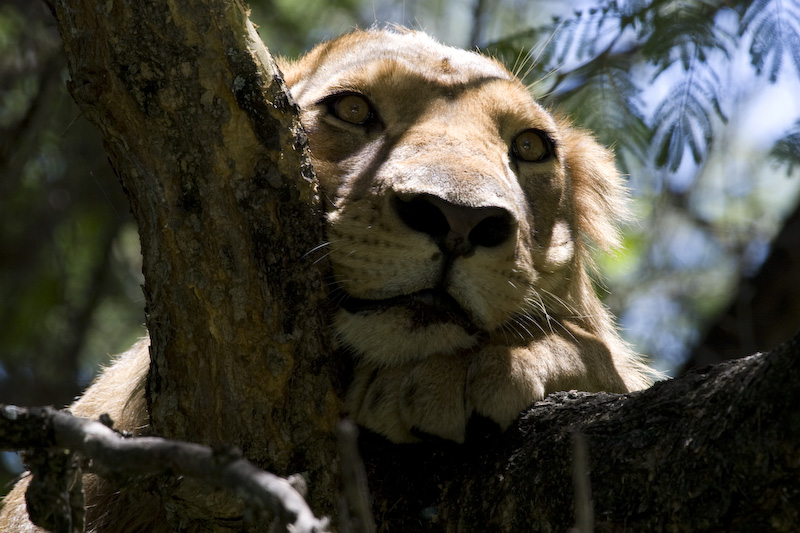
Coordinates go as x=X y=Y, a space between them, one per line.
x=405 y=328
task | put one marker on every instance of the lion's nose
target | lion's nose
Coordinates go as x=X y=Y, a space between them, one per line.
x=456 y=229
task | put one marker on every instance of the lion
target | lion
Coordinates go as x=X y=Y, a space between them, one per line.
x=461 y=216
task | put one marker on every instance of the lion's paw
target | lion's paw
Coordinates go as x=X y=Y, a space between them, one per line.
x=408 y=401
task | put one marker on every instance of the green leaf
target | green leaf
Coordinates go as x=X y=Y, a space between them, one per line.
x=683 y=32
x=787 y=150
x=609 y=103
x=686 y=116
x=774 y=26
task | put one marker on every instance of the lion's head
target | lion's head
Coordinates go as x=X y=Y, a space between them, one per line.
x=459 y=215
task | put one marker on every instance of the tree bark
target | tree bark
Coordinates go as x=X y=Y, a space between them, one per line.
x=765 y=311
x=208 y=146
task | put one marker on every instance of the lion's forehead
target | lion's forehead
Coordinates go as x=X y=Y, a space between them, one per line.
x=438 y=63
x=360 y=58
x=420 y=53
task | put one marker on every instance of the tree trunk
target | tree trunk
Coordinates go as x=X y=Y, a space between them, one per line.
x=208 y=145
x=765 y=311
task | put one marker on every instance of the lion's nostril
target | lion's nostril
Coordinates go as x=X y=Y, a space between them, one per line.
x=421 y=215
x=491 y=231
x=457 y=229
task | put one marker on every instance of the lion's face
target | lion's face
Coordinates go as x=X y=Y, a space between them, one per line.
x=456 y=214
x=435 y=162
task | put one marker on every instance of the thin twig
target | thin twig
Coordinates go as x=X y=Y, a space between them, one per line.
x=584 y=510
x=354 y=478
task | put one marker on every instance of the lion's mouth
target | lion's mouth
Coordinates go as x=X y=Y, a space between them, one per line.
x=427 y=307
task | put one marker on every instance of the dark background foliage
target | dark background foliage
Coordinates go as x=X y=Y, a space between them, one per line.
x=698 y=98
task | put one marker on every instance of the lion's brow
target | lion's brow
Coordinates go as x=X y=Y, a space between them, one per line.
x=366 y=81
x=443 y=72
x=451 y=89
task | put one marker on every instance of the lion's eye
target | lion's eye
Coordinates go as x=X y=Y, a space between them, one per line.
x=352 y=108
x=532 y=145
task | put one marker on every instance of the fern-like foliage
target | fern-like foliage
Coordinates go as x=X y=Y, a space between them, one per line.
x=582 y=37
x=787 y=150
x=583 y=63
x=681 y=31
x=560 y=46
x=774 y=26
x=608 y=102
x=685 y=118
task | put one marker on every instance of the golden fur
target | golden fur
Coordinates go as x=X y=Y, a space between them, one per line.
x=459 y=223
x=440 y=145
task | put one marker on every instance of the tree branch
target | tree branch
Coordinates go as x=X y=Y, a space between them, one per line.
x=114 y=456
x=714 y=450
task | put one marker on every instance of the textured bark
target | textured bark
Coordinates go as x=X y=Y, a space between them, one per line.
x=713 y=451
x=207 y=144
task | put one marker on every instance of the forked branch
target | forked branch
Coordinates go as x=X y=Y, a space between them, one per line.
x=110 y=454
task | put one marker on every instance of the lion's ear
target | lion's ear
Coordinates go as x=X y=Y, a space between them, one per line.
x=601 y=199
